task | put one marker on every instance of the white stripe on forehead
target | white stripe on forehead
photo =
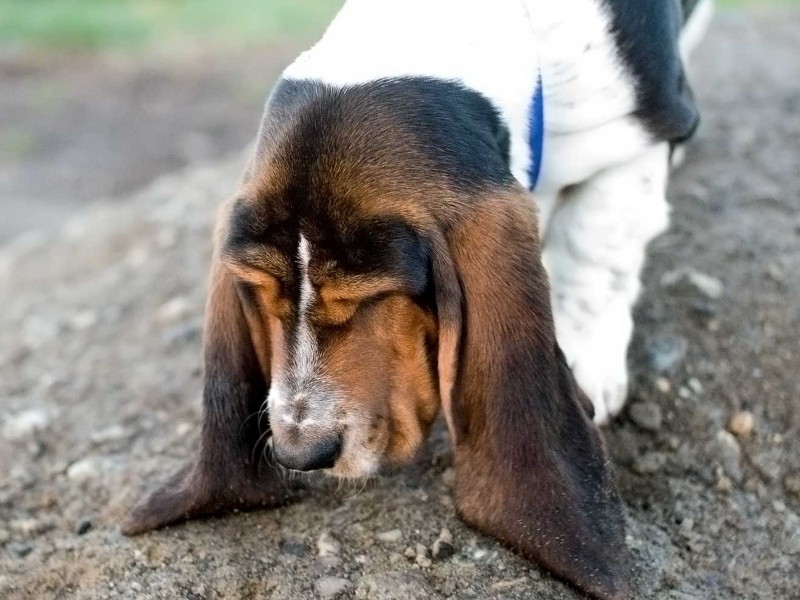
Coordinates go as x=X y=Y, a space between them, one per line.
x=306 y=289
x=305 y=351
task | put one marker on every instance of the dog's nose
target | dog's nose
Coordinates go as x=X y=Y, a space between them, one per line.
x=308 y=457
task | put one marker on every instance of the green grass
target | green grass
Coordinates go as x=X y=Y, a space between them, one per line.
x=125 y=24
x=102 y=24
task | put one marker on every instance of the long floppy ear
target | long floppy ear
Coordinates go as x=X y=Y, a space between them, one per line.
x=232 y=469
x=531 y=469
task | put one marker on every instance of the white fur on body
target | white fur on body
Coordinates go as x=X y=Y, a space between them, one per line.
x=601 y=190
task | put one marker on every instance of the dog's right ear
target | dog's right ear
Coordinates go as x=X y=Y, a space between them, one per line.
x=530 y=466
x=232 y=468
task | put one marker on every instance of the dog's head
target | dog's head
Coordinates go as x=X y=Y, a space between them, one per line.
x=341 y=289
x=387 y=265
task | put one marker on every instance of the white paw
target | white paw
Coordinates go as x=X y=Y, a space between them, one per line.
x=596 y=350
x=605 y=382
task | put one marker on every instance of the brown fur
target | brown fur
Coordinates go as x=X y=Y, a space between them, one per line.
x=429 y=293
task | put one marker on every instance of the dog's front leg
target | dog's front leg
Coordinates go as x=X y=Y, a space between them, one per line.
x=594 y=251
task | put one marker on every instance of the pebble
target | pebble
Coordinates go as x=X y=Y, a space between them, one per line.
x=20 y=549
x=443 y=547
x=4 y=536
x=25 y=424
x=728 y=454
x=83 y=526
x=692 y=280
x=391 y=536
x=395 y=585
x=507 y=584
x=665 y=352
x=332 y=587
x=449 y=477
x=31 y=527
x=695 y=385
x=663 y=385
x=792 y=484
x=646 y=415
x=83 y=320
x=327 y=545
x=724 y=484
x=649 y=463
x=742 y=423
x=175 y=310
x=112 y=433
x=422 y=558
x=293 y=548
x=84 y=469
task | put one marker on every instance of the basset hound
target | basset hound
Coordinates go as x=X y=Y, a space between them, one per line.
x=443 y=197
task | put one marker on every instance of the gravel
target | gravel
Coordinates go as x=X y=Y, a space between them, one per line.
x=82 y=343
x=646 y=415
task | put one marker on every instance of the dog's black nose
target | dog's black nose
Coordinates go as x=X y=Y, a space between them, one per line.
x=308 y=457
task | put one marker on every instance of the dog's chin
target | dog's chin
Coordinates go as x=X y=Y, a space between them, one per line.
x=355 y=466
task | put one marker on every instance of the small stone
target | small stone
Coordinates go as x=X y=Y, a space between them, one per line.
x=83 y=320
x=83 y=526
x=449 y=477
x=4 y=536
x=395 y=585
x=687 y=526
x=31 y=527
x=691 y=280
x=505 y=585
x=293 y=548
x=332 y=587
x=175 y=310
x=665 y=352
x=480 y=553
x=646 y=415
x=84 y=469
x=695 y=385
x=391 y=536
x=327 y=545
x=421 y=558
x=741 y=423
x=443 y=547
x=113 y=433
x=20 y=549
x=25 y=424
x=649 y=463
x=792 y=484
x=409 y=553
x=153 y=556
x=663 y=385
x=728 y=454
x=724 y=484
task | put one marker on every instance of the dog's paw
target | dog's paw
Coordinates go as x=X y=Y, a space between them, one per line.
x=596 y=351
x=606 y=384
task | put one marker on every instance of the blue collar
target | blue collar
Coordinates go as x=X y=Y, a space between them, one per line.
x=536 y=134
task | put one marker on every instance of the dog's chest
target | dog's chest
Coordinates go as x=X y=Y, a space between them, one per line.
x=499 y=48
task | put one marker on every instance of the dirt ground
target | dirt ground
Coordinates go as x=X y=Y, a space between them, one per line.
x=100 y=392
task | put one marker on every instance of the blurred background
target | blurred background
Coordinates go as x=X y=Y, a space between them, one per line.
x=98 y=97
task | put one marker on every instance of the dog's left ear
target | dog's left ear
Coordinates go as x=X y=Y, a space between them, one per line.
x=531 y=469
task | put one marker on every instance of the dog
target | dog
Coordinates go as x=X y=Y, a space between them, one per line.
x=446 y=210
